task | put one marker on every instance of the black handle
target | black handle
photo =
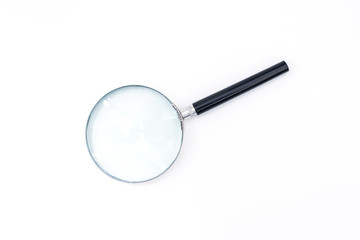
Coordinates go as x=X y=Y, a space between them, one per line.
x=235 y=90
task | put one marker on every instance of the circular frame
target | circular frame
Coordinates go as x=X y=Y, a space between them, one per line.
x=181 y=119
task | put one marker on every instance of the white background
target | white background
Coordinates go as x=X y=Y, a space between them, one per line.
x=279 y=162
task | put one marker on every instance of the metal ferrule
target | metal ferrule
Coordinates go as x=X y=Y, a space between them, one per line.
x=188 y=112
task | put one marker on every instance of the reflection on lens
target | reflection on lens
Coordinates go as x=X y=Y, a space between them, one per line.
x=134 y=133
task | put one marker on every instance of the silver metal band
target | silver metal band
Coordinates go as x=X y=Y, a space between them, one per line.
x=188 y=112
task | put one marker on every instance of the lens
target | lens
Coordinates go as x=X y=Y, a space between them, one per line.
x=134 y=133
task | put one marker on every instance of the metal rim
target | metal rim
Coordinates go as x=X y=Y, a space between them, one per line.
x=181 y=125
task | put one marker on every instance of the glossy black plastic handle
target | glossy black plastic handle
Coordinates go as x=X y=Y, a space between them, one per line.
x=235 y=90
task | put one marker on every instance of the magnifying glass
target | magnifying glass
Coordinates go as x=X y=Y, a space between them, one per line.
x=134 y=133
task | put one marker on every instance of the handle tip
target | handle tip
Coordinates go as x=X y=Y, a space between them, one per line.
x=286 y=66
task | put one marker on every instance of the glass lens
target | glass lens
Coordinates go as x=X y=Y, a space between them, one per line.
x=134 y=133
